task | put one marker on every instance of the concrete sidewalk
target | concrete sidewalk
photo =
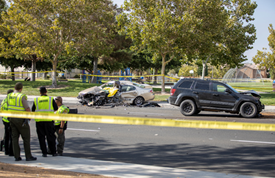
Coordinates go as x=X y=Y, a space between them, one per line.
x=114 y=169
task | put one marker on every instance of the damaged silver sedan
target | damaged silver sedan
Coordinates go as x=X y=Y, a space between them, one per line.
x=125 y=92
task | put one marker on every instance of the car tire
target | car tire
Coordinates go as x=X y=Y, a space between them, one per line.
x=188 y=108
x=139 y=101
x=248 y=110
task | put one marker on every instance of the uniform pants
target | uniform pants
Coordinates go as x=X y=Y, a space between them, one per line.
x=60 y=140
x=45 y=130
x=8 y=139
x=17 y=130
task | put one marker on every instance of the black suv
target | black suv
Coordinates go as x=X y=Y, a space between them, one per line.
x=195 y=95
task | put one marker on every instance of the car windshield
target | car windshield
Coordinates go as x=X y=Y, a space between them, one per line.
x=106 y=85
x=232 y=88
x=139 y=85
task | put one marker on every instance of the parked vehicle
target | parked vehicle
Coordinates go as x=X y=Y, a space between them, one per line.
x=130 y=93
x=195 y=95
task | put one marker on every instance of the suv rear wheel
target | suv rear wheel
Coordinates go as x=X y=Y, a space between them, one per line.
x=188 y=108
x=248 y=110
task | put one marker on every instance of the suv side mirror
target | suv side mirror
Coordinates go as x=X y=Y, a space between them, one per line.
x=227 y=90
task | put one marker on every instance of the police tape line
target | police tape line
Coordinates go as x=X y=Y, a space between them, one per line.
x=91 y=75
x=143 y=121
x=29 y=72
x=111 y=76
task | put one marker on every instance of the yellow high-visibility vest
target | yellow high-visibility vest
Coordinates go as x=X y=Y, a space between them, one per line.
x=61 y=110
x=44 y=104
x=14 y=102
x=4 y=107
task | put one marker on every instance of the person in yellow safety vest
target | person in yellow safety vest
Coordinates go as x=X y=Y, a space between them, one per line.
x=60 y=126
x=17 y=101
x=45 y=127
x=6 y=122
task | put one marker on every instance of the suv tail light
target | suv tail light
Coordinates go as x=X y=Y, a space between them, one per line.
x=172 y=91
x=151 y=91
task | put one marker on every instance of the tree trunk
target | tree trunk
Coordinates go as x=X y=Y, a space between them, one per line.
x=212 y=72
x=12 y=74
x=155 y=77
x=45 y=75
x=33 y=70
x=204 y=63
x=162 y=75
x=95 y=70
x=203 y=70
x=54 y=82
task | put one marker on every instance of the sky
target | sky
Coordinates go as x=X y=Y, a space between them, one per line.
x=264 y=15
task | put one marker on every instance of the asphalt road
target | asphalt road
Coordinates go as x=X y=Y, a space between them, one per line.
x=227 y=151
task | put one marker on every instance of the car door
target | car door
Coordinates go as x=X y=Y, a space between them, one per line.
x=128 y=93
x=223 y=97
x=203 y=93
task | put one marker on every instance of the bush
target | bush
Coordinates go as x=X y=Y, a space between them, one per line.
x=77 y=76
x=9 y=77
x=3 y=76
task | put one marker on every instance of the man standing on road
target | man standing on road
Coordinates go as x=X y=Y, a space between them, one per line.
x=6 y=122
x=17 y=101
x=45 y=127
x=60 y=126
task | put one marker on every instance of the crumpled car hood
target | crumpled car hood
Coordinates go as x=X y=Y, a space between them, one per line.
x=92 y=90
x=252 y=92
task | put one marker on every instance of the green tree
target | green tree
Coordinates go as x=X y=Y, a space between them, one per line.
x=116 y=60
x=163 y=27
x=202 y=29
x=218 y=71
x=186 y=68
x=51 y=28
x=267 y=59
x=12 y=63
x=224 y=34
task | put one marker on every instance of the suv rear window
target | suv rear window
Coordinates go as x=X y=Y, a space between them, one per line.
x=186 y=84
x=202 y=86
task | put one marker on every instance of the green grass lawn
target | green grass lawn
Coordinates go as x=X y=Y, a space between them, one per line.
x=257 y=86
x=74 y=86
x=267 y=98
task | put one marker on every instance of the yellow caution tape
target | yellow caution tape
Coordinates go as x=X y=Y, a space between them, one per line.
x=136 y=76
x=28 y=72
x=143 y=121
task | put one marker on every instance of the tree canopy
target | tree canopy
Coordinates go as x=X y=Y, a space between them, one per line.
x=51 y=28
x=267 y=59
x=212 y=30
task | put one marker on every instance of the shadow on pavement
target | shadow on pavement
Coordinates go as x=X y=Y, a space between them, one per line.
x=247 y=160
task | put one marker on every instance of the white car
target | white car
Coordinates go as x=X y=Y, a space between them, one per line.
x=131 y=93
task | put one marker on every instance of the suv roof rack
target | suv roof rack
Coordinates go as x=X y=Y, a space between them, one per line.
x=189 y=78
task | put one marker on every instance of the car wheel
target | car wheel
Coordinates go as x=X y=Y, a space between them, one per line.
x=248 y=110
x=138 y=101
x=188 y=108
